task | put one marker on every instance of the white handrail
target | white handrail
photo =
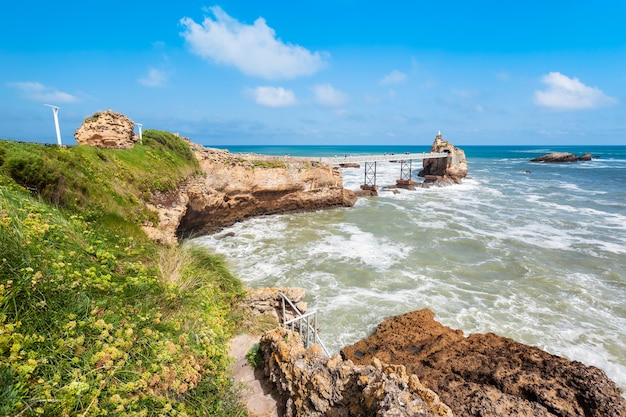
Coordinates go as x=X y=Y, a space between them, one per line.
x=309 y=320
x=338 y=160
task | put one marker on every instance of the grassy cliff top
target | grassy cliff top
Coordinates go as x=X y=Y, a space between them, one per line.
x=95 y=319
x=100 y=181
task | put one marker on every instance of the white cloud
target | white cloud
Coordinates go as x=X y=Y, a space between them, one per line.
x=327 y=95
x=394 y=77
x=36 y=91
x=274 y=96
x=253 y=49
x=154 y=78
x=567 y=93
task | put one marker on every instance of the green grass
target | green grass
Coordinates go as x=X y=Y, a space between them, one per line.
x=95 y=319
x=269 y=164
x=98 y=180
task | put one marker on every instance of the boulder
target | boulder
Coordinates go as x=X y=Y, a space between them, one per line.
x=444 y=171
x=489 y=375
x=107 y=129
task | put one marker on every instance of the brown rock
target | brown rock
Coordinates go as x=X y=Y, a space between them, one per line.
x=268 y=301
x=235 y=187
x=107 y=129
x=489 y=375
x=445 y=171
x=311 y=384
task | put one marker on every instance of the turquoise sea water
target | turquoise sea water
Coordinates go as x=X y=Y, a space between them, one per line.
x=539 y=257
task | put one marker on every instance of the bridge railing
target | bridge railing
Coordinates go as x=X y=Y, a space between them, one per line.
x=338 y=160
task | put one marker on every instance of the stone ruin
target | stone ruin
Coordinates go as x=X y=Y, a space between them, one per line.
x=107 y=129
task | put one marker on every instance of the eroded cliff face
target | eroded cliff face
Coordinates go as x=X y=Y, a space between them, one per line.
x=235 y=187
x=489 y=375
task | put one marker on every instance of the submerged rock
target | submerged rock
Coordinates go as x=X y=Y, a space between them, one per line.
x=489 y=375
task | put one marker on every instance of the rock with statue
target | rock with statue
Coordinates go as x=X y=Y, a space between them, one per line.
x=444 y=171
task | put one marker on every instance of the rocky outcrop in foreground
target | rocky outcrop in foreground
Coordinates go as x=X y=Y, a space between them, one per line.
x=269 y=302
x=489 y=375
x=311 y=384
x=556 y=157
x=235 y=187
x=107 y=129
x=444 y=171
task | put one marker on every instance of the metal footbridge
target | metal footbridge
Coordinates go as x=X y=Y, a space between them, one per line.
x=388 y=157
x=405 y=160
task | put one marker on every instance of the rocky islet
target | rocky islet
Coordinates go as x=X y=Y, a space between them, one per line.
x=561 y=157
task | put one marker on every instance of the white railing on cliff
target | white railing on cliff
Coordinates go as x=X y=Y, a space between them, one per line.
x=304 y=324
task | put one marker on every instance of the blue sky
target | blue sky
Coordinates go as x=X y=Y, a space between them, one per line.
x=320 y=72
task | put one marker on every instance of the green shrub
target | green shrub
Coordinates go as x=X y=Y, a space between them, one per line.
x=92 y=118
x=255 y=356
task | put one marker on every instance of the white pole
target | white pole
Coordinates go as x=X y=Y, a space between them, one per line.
x=139 y=125
x=55 y=110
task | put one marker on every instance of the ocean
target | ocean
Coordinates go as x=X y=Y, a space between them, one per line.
x=534 y=252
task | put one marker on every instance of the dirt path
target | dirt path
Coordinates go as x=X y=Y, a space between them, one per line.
x=256 y=393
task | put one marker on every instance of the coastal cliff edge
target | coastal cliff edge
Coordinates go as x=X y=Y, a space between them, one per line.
x=234 y=187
